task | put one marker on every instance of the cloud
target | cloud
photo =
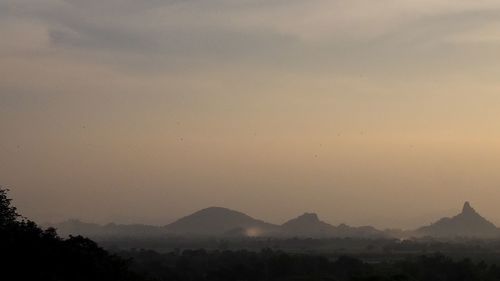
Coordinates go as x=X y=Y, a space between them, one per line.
x=485 y=34
x=178 y=34
x=100 y=92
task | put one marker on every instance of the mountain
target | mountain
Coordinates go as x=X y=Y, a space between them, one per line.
x=468 y=223
x=96 y=231
x=307 y=225
x=219 y=221
x=344 y=230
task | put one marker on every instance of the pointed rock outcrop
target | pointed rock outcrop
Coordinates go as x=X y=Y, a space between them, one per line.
x=467 y=209
x=468 y=223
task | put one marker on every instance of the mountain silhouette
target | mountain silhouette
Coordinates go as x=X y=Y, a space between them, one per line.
x=92 y=230
x=468 y=223
x=344 y=230
x=219 y=221
x=308 y=225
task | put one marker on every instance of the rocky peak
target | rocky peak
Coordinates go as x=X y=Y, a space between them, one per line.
x=311 y=217
x=468 y=223
x=467 y=209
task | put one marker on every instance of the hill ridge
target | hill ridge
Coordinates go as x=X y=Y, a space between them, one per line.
x=468 y=223
x=221 y=221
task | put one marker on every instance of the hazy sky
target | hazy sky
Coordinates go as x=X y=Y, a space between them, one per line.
x=366 y=112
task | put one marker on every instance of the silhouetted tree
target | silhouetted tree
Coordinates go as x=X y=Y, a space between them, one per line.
x=28 y=252
x=8 y=213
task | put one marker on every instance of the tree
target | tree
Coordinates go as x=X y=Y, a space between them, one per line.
x=8 y=213
x=28 y=252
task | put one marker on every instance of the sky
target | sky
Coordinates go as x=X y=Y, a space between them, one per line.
x=367 y=112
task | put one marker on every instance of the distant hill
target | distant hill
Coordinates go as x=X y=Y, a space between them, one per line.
x=220 y=221
x=344 y=230
x=92 y=230
x=308 y=225
x=468 y=223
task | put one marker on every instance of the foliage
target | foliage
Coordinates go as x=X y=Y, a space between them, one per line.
x=8 y=213
x=273 y=265
x=28 y=252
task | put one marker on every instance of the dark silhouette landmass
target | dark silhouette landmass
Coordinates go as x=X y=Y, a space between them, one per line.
x=77 y=227
x=308 y=225
x=219 y=221
x=223 y=222
x=466 y=224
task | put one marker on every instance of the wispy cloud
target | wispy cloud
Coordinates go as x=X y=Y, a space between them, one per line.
x=223 y=30
x=397 y=95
